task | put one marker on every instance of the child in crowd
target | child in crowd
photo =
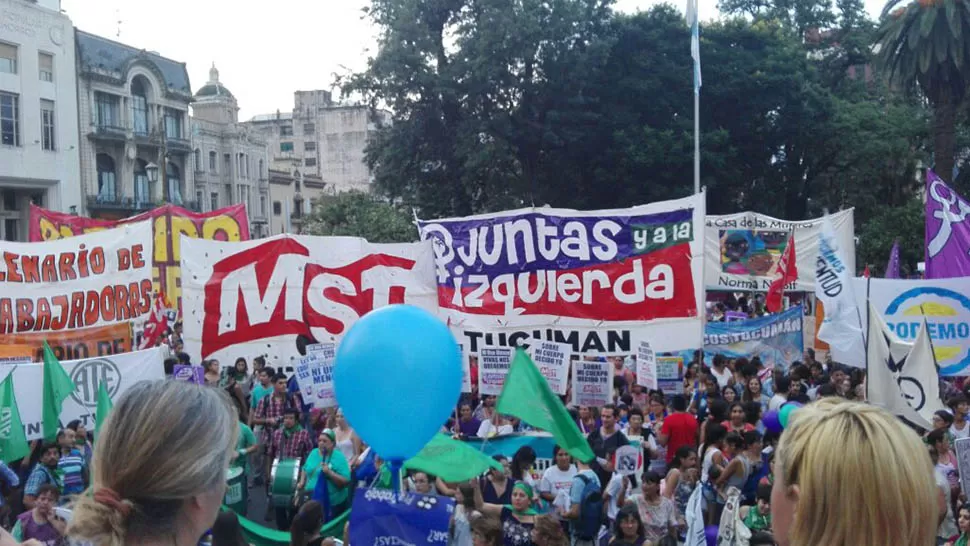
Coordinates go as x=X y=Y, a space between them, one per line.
x=758 y=517
x=41 y=523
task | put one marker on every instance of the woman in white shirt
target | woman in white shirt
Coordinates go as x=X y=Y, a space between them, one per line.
x=496 y=426
x=557 y=479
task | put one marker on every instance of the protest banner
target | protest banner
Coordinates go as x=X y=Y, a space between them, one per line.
x=493 y=367
x=904 y=302
x=118 y=372
x=90 y=280
x=776 y=339
x=189 y=374
x=322 y=357
x=646 y=366
x=76 y=344
x=742 y=250
x=592 y=382
x=552 y=359
x=670 y=374
x=383 y=517
x=273 y=297
x=572 y=276
x=168 y=222
x=16 y=354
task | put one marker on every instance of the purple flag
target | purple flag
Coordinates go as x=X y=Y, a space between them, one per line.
x=190 y=374
x=892 y=268
x=947 y=231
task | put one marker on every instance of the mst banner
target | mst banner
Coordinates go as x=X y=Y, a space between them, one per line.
x=63 y=285
x=118 y=372
x=777 y=339
x=742 y=250
x=168 y=223
x=592 y=279
x=273 y=297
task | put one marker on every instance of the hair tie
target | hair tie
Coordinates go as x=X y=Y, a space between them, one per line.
x=110 y=498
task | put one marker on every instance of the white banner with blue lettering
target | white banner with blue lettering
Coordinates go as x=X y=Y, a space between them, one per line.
x=903 y=302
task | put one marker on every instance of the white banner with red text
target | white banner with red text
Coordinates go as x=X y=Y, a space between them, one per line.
x=273 y=297
x=595 y=280
x=95 y=279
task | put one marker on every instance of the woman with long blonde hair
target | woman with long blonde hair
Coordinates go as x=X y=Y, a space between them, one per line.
x=851 y=474
x=160 y=467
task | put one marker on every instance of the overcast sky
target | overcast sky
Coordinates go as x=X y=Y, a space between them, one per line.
x=264 y=50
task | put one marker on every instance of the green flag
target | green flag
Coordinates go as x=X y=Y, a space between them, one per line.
x=13 y=441
x=104 y=406
x=451 y=460
x=527 y=395
x=57 y=387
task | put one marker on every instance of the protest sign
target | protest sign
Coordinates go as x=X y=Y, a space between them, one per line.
x=646 y=366
x=592 y=382
x=322 y=357
x=168 y=223
x=466 y=371
x=552 y=359
x=381 y=517
x=670 y=374
x=189 y=374
x=628 y=460
x=91 y=280
x=493 y=366
x=777 y=339
x=272 y=297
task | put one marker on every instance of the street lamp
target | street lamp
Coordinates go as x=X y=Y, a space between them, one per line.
x=152 y=171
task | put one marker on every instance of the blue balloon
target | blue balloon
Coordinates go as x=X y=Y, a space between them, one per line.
x=397 y=377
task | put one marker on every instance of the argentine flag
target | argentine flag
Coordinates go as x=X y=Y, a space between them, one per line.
x=695 y=42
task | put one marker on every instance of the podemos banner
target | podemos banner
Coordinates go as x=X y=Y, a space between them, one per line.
x=118 y=372
x=594 y=280
x=776 y=339
x=743 y=250
x=59 y=286
x=168 y=223
x=275 y=296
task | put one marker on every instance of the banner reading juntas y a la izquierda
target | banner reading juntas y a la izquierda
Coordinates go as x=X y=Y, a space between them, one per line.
x=776 y=339
x=92 y=280
x=273 y=297
x=742 y=250
x=599 y=281
x=118 y=372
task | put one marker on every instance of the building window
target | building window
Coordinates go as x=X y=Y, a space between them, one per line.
x=107 y=186
x=47 y=129
x=228 y=193
x=214 y=200
x=277 y=208
x=212 y=162
x=262 y=206
x=310 y=162
x=262 y=169
x=143 y=190
x=10 y=200
x=286 y=130
x=10 y=230
x=198 y=200
x=139 y=106
x=247 y=166
x=227 y=165
x=173 y=123
x=286 y=146
x=198 y=160
x=106 y=109
x=309 y=128
x=8 y=58
x=310 y=146
x=9 y=119
x=45 y=62
x=174 y=176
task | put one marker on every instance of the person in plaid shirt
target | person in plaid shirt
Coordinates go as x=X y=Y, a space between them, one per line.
x=291 y=441
x=44 y=473
x=269 y=414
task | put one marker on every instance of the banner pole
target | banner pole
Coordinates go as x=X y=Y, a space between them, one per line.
x=865 y=338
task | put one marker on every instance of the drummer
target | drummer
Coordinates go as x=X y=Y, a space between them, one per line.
x=246 y=445
x=291 y=441
x=331 y=465
x=270 y=412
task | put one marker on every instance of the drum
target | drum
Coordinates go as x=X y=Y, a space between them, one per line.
x=236 y=490
x=283 y=479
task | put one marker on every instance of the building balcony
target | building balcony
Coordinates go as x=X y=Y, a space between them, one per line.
x=178 y=145
x=108 y=133
x=117 y=205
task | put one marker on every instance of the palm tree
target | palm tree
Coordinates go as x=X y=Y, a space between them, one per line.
x=924 y=46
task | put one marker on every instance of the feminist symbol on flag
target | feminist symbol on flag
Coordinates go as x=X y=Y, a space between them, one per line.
x=946 y=215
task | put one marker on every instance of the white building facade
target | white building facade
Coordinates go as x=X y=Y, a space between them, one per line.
x=230 y=160
x=133 y=111
x=39 y=148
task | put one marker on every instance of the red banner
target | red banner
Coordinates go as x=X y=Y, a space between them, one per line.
x=168 y=221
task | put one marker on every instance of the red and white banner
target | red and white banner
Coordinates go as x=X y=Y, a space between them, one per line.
x=273 y=297
x=95 y=279
x=599 y=281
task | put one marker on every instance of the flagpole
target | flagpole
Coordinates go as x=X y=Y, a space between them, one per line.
x=865 y=338
x=697 y=140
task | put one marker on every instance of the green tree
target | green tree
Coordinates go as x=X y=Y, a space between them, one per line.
x=359 y=214
x=924 y=48
x=877 y=234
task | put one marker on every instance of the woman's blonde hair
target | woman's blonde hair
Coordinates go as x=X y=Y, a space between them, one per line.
x=864 y=478
x=162 y=443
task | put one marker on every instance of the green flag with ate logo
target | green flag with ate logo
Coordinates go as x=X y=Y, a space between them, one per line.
x=57 y=387
x=13 y=441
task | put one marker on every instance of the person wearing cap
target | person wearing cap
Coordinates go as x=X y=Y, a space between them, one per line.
x=326 y=476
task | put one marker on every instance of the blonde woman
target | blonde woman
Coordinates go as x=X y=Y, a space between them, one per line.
x=851 y=474
x=160 y=466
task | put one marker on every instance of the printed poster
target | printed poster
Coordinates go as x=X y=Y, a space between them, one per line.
x=552 y=359
x=323 y=357
x=592 y=382
x=189 y=374
x=646 y=366
x=493 y=367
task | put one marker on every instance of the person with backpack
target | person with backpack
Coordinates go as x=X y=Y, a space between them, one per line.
x=585 y=506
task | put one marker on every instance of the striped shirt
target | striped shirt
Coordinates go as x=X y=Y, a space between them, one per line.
x=71 y=467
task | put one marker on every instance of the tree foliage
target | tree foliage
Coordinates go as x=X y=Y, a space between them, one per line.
x=359 y=214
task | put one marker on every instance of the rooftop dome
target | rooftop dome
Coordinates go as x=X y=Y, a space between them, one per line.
x=212 y=88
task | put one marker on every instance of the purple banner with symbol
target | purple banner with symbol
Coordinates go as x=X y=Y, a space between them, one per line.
x=892 y=268
x=947 y=231
x=191 y=374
